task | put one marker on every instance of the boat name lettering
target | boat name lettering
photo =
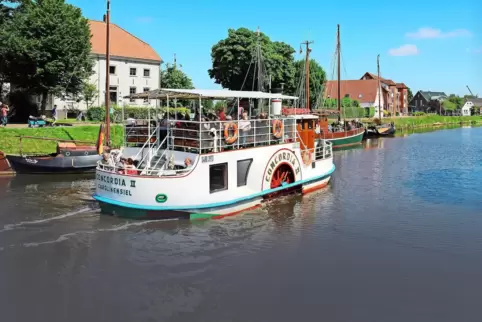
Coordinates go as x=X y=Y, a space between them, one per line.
x=207 y=158
x=279 y=157
x=119 y=191
x=116 y=181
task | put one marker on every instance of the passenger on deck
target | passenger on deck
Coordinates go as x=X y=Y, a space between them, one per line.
x=187 y=163
x=244 y=128
x=129 y=167
x=221 y=114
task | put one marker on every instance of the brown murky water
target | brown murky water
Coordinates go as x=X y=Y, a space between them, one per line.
x=397 y=236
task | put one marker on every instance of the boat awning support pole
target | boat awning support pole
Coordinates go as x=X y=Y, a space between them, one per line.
x=200 y=125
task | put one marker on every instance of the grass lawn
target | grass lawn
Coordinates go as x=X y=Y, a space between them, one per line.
x=10 y=141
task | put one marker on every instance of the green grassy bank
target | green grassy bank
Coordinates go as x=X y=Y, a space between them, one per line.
x=432 y=120
x=10 y=141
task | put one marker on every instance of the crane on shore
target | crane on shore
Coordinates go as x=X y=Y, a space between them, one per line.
x=471 y=92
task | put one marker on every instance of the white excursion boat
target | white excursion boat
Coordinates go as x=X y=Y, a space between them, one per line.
x=207 y=168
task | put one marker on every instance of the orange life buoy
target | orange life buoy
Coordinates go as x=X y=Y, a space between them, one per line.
x=277 y=129
x=230 y=139
x=306 y=156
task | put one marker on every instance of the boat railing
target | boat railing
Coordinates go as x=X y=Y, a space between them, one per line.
x=140 y=133
x=215 y=136
x=151 y=140
x=147 y=163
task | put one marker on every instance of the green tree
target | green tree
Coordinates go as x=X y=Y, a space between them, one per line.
x=317 y=78
x=46 y=48
x=173 y=77
x=89 y=93
x=449 y=105
x=457 y=101
x=208 y=105
x=219 y=104
x=409 y=95
x=232 y=61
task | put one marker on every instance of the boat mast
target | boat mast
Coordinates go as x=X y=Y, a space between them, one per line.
x=338 y=52
x=307 y=73
x=379 y=89
x=107 y=68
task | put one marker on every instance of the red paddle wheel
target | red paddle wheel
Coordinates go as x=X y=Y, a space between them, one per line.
x=283 y=174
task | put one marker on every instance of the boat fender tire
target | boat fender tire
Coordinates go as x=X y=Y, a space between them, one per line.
x=67 y=153
x=86 y=153
x=230 y=126
x=277 y=129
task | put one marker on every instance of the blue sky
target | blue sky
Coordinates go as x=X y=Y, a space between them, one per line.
x=429 y=45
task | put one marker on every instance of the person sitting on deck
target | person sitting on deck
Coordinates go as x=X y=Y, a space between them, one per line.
x=107 y=161
x=130 y=167
x=187 y=163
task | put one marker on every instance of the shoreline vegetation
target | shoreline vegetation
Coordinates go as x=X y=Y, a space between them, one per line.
x=412 y=122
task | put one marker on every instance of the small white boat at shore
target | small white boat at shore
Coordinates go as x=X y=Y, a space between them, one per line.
x=206 y=168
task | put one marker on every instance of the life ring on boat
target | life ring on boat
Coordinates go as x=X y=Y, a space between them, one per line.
x=230 y=139
x=277 y=129
x=86 y=153
x=306 y=156
x=67 y=153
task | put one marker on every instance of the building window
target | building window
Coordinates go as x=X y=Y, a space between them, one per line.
x=132 y=71
x=147 y=73
x=132 y=91
x=146 y=89
x=243 y=171
x=113 y=95
x=112 y=70
x=218 y=177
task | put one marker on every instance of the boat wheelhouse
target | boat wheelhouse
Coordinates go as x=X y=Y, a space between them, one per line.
x=207 y=167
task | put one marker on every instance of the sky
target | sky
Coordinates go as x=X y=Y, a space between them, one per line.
x=428 y=45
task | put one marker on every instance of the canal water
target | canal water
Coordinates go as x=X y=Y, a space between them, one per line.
x=397 y=236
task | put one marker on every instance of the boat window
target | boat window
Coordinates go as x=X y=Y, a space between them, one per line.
x=243 y=171
x=218 y=177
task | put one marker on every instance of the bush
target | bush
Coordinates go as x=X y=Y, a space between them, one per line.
x=418 y=113
x=353 y=112
x=97 y=114
x=369 y=112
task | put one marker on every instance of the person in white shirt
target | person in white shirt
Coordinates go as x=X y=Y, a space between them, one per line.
x=244 y=128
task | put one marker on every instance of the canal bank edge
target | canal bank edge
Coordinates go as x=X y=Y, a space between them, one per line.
x=431 y=120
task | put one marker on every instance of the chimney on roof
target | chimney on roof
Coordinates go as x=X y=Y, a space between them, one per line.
x=104 y=18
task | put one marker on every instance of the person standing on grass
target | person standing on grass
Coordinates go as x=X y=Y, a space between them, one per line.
x=54 y=114
x=4 y=110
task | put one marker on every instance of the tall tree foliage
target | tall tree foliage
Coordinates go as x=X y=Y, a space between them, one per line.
x=231 y=59
x=317 y=78
x=409 y=94
x=173 y=77
x=46 y=48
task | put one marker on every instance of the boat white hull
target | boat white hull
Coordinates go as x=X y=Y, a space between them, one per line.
x=189 y=196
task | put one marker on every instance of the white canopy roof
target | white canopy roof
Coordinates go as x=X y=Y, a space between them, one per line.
x=164 y=93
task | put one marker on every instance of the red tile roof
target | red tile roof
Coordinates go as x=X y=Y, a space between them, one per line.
x=401 y=85
x=383 y=80
x=122 y=43
x=364 y=91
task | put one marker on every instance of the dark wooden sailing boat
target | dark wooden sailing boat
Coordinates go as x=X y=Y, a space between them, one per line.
x=380 y=130
x=71 y=157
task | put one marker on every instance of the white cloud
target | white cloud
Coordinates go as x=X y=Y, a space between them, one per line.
x=144 y=19
x=404 y=50
x=431 y=33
